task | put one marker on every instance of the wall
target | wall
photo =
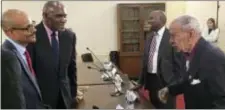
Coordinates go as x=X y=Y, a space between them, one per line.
x=95 y=22
x=221 y=42
x=203 y=11
x=174 y=9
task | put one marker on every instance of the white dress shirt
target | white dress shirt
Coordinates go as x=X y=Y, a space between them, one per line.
x=155 y=56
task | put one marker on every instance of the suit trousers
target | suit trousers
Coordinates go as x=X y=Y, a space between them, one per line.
x=60 y=103
x=153 y=85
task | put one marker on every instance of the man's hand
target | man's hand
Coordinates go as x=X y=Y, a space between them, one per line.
x=163 y=94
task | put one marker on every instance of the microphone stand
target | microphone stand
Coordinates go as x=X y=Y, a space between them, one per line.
x=118 y=92
x=95 y=56
x=104 y=70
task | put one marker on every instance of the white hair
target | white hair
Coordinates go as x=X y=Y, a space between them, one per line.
x=188 y=22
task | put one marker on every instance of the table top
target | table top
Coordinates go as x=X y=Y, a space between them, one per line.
x=87 y=76
x=99 y=95
x=98 y=92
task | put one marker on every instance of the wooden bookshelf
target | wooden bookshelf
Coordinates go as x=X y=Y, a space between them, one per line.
x=131 y=19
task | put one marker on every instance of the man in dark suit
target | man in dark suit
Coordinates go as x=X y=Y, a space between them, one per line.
x=20 y=31
x=203 y=85
x=53 y=57
x=12 y=96
x=158 y=61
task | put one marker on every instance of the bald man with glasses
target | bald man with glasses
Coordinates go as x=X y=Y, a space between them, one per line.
x=20 y=30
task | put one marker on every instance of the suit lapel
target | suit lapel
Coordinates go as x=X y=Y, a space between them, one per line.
x=25 y=67
x=163 y=44
x=150 y=36
x=62 y=48
x=44 y=43
x=194 y=63
x=43 y=38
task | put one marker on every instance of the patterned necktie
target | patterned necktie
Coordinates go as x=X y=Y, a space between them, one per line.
x=29 y=62
x=151 y=53
x=55 y=46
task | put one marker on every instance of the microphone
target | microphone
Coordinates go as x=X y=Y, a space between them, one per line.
x=103 y=68
x=95 y=107
x=95 y=56
x=89 y=67
x=97 y=66
x=98 y=69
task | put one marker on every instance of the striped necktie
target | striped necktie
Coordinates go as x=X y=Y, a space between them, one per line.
x=151 y=53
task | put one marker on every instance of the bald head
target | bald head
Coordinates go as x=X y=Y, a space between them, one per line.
x=13 y=18
x=161 y=16
x=157 y=19
x=18 y=26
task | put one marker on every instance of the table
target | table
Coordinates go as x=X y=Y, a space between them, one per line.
x=98 y=92
x=87 y=76
x=99 y=95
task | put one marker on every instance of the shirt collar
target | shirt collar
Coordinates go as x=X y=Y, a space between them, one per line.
x=49 y=31
x=21 y=49
x=161 y=31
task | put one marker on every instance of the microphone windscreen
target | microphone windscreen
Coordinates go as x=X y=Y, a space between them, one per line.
x=95 y=107
x=89 y=67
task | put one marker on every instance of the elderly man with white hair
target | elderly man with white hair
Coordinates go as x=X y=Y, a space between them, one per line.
x=204 y=67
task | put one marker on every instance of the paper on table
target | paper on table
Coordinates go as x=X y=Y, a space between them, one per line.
x=130 y=96
x=130 y=106
x=119 y=107
x=114 y=70
x=118 y=81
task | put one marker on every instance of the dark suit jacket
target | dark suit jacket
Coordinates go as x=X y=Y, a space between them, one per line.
x=53 y=78
x=167 y=59
x=12 y=96
x=208 y=66
x=30 y=87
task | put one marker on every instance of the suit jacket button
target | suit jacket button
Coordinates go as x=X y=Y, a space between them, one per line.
x=190 y=77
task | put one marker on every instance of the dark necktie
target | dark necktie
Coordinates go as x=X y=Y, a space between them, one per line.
x=55 y=46
x=29 y=62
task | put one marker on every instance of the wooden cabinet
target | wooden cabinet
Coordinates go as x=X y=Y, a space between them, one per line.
x=131 y=19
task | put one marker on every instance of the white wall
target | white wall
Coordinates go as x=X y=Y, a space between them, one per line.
x=221 y=42
x=207 y=9
x=95 y=21
x=202 y=10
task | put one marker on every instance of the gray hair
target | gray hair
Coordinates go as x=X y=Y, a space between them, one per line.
x=188 y=22
x=50 y=5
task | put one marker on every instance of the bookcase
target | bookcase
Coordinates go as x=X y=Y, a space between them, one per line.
x=131 y=20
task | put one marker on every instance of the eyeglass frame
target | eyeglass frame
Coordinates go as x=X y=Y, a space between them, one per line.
x=29 y=27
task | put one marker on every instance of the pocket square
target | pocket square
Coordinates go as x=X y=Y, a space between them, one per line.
x=195 y=81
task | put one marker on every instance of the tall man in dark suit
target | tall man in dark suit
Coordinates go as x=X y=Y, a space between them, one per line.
x=158 y=61
x=12 y=96
x=203 y=86
x=53 y=57
x=20 y=31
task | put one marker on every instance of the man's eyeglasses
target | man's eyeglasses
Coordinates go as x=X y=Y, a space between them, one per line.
x=29 y=27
